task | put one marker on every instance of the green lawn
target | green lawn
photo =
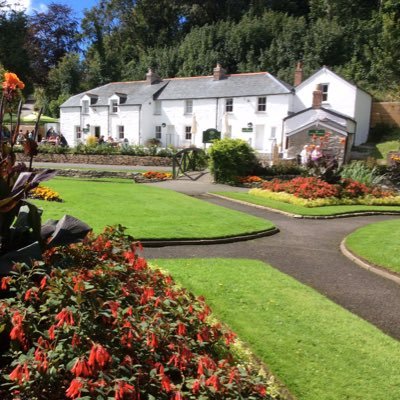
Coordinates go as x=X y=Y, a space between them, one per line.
x=306 y=211
x=147 y=212
x=388 y=143
x=378 y=243
x=318 y=349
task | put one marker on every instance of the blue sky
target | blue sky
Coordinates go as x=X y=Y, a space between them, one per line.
x=77 y=5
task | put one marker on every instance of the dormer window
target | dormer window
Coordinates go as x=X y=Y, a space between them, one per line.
x=114 y=106
x=188 y=106
x=229 y=105
x=93 y=101
x=157 y=107
x=324 y=90
x=85 y=106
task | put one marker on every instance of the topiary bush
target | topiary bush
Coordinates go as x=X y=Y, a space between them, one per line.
x=230 y=158
x=95 y=322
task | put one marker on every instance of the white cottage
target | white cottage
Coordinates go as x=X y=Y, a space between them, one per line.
x=256 y=107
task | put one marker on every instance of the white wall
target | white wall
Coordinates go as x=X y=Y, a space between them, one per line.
x=69 y=118
x=341 y=94
x=128 y=117
x=362 y=116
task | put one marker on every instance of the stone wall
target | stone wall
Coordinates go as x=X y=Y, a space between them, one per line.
x=385 y=113
x=99 y=159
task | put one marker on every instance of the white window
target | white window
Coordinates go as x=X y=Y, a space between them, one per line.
x=262 y=104
x=273 y=132
x=188 y=132
x=158 y=132
x=188 y=106
x=121 y=132
x=114 y=106
x=85 y=106
x=229 y=105
x=324 y=89
x=78 y=132
x=157 y=107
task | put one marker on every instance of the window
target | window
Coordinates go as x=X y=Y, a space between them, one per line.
x=121 y=132
x=273 y=132
x=114 y=106
x=188 y=106
x=262 y=104
x=324 y=89
x=78 y=132
x=157 y=107
x=158 y=132
x=85 y=106
x=229 y=105
x=188 y=132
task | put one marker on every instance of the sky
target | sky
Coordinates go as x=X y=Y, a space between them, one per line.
x=40 y=5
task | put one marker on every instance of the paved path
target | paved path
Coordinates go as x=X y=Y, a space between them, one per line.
x=309 y=251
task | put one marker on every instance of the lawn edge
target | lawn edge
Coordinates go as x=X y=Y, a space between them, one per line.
x=363 y=263
x=207 y=241
x=301 y=216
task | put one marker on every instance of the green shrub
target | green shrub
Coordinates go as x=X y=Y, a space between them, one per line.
x=231 y=158
x=362 y=172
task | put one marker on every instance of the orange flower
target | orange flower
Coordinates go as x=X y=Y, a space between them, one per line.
x=81 y=368
x=123 y=389
x=12 y=82
x=99 y=356
x=74 y=389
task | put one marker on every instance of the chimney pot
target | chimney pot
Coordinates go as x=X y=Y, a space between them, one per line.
x=298 y=75
x=317 y=97
x=219 y=72
x=152 y=77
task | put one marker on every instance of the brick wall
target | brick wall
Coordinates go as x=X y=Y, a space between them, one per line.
x=99 y=159
x=385 y=113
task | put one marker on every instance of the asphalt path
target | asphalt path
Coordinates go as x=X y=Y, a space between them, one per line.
x=308 y=250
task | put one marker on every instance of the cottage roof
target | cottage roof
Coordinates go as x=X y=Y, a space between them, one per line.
x=136 y=93
x=235 y=85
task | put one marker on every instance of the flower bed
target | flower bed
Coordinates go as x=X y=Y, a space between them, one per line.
x=94 y=321
x=314 y=192
x=157 y=176
x=44 y=193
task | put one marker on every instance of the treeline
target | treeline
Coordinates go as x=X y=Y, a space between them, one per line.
x=118 y=40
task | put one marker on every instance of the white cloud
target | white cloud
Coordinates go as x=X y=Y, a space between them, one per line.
x=26 y=5
x=19 y=4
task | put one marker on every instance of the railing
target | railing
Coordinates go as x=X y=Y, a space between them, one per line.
x=187 y=160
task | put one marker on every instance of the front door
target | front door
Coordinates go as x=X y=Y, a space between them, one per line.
x=97 y=131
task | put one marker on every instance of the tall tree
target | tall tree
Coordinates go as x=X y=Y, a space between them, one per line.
x=54 y=33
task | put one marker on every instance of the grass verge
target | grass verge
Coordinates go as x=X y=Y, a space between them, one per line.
x=306 y=211
x=368 y=242
x=318 y=349
x=146 y=212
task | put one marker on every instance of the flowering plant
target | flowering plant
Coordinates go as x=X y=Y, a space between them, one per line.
x=94 y=321
x=44 y=193
x=154 y=175
x=21 y=235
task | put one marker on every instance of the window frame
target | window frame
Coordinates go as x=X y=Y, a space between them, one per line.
x=78 y=132
x=119 y=131
x=85 y=106
x=262 y=104
x=158 y=132
x=189 y=106
x=324 y=91
x=229 y=105
x=114 y=106
x=188 y=132
x=157 y=107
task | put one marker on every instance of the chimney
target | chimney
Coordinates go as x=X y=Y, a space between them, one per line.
x=298 y=74
x=152 y=77
x=219 y=72
x=317 y=97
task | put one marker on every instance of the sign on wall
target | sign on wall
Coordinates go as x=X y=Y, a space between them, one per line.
x=247 y=129
x=316 y=132
x=211 y=134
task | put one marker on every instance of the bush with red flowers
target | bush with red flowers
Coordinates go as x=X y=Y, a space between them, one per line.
x=157 y=176
x=93 y=321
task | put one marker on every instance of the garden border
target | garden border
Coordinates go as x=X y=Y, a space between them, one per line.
x=361 y=262
x=220 y=240
x=343 y=215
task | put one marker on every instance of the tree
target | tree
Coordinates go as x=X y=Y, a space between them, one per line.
x=53 y=34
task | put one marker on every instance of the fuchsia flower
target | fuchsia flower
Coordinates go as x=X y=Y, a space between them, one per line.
x=74 y=389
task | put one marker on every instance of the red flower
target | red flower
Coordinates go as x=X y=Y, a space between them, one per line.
x=5 y=282
x=166 y=383
x=177 y=396
x=213 y=381
x=152 y=341
x=43 y=282
x=20 y=373
x=196 y=387
x=81 y=368
x=181 y=329
x=65 y=317
x=74 y=389
x=123 y=389
x=99 y=356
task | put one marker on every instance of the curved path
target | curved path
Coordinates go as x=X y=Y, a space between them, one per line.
x=309 y=251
